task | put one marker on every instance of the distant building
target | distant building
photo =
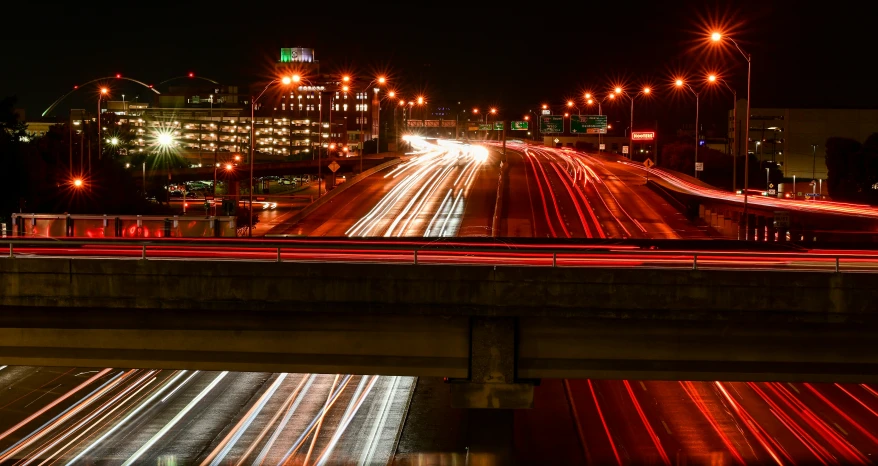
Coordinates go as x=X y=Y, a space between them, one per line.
x=796 y=137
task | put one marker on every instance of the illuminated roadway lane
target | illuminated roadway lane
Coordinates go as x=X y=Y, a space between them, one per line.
x=569 y=194
x=74 y=416
x=659 y=422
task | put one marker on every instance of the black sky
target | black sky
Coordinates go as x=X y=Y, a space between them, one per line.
x=514 y=57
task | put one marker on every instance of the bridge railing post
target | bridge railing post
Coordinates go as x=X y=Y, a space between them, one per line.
x=278 y=255
x=143 y=253
x=554 y=259
x=837 y=265
x=416 y=257
x=11 y=251
x=694 y=261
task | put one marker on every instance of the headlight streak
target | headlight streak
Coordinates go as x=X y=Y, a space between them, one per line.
x=283 y=424
x=57 y=420
x=127 y=418
x=91 y=425
x=438 y=212
x=216 y=457
x=395 y=213
x=378 y=427
x=158 y=435
x=346 y=420
x=179 y=386
x=307 y=431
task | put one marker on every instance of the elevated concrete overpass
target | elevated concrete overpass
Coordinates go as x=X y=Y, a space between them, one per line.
x=493 y=330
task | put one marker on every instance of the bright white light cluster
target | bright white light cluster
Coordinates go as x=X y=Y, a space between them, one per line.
x=429 y=197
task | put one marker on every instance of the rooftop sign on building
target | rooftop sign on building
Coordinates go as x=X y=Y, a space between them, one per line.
x=296 y=55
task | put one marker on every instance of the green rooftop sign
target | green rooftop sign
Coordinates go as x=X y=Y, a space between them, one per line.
x=588 y=124
x=519 y=126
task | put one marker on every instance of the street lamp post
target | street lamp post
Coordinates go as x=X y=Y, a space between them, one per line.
x=104 y=91
x=681 y=83
x=716 y=37
x=610 y=96
x=620 y=91
x=814 y=162
x=253 y=100
x=713 y=78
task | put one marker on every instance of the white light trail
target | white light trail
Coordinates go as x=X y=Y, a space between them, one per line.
x=215 y=459
x=378 y=427
x=127 y=418
x=158 y=435
x=324 y=457
x=283 y=424
x=438 y=212
x=179 y=386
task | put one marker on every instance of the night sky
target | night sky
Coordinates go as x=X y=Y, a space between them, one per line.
x=513 y=58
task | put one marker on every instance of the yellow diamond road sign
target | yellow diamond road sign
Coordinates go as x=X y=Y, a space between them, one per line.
x=334 y=166
x=648 y=163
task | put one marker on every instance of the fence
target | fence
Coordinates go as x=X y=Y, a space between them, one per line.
x=121 y=226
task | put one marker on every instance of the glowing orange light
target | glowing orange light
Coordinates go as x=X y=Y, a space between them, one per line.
x=296 y=78
x=286 y=80
x=346 y=78
x=612 y=96
x=391 y=94
x=618 y=90
x=475 y=110
x=402 y=102
x=77 y=182
x=345 y=88
x=420 y=100
x=494 y=110
x=104 y=90
x=716 y=37
x=526 y=117
x=566 y=114
x=332 y=146
x=382 y=80
x=228 y=166
x=191 y=75
x=545 y=106
x=237 y=158
x=569 y=103
x=590 y=101
x=678 y=82
x=609 y=126
x=711 y=78
x=118 y=75
x=344 y=149
x=646 y=90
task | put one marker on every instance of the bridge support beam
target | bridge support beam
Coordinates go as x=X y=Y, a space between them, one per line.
x=492 y=384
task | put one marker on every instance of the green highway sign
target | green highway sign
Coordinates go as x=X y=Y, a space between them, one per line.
x=498 y=126
x=484 y=127
x=519 y=126
x=588 y=124
x=551 y=124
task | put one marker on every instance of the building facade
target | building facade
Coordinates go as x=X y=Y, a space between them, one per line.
x=796 y=137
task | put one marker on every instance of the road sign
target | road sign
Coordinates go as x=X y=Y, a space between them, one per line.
x=588 y=124
x=556 y=140
x=782 y=219
x=519 y=126
x=648 y=163
x=699 y=166
x=642 y=135
x=551 y=124
x=624 y=149
x=484 y=127
x=546 y=112
x=334 y=166
x=602 y=146
x=473 y=128
x=498 y=125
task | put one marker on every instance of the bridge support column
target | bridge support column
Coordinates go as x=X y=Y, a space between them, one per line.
x=760 y=228
x=492 y=368
x=328 y=181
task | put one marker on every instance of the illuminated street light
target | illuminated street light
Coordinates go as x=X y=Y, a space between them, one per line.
x=588 y=95
x=296 y=78
x=526 y=117
x=228 y=167
x=545 y=107
x=717 y=36
x=618 y=90
x=382 y=79
x=114 y=141
x=165 y=139
x=345 y=88
x=346 y=78
x=391 y=94
x=286 y=80
x=493 y=111
x=420 y=100
x=711 y=78
x=78 y=182
x=401 y=102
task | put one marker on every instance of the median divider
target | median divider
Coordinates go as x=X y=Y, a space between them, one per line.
x=498 y=204
x=340 y=189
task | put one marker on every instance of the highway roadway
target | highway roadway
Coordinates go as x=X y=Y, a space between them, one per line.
x=114 y=416
x=573 y=194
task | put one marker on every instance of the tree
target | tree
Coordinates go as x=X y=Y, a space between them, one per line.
x=841 y=161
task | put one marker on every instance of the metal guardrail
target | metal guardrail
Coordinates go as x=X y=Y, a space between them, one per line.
x=462 y=253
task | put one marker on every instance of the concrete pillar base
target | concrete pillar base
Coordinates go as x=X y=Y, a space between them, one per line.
x=492 y=395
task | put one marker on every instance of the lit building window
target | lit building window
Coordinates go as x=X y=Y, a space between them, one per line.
x=345 y=107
